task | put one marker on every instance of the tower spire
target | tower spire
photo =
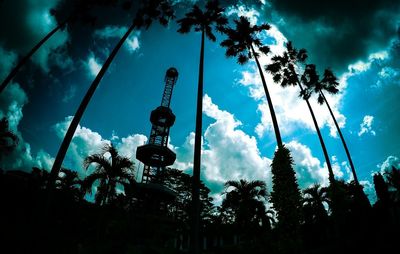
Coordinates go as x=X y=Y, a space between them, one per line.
x=155 y=155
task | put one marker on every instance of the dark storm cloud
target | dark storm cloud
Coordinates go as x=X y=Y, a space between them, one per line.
x=339 y=32
x=19 y=18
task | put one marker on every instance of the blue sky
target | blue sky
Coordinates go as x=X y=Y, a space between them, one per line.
x=238 y=140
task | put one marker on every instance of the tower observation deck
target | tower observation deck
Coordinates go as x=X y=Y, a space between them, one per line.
x=155 y=155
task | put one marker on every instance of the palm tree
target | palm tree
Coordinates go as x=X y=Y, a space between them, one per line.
x=79 y=11
x=108 y=173
x=329 y=84
x=246 y=200
x=314 y=197
x=283 y=69
x=151 y=10
x=69 y=182
x=241 y=43
x=204 y=22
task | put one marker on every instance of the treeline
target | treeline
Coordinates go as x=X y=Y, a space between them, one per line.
x=109 y=212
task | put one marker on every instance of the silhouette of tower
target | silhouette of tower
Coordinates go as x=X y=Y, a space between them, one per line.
x=155 y=155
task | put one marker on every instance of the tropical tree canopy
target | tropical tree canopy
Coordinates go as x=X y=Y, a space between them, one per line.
x=242 y=38
x=204 y=20
x=110 y=169
x=315 y=197
x=283 y=68
x=246 y=200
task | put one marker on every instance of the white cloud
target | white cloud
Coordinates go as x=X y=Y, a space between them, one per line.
x=12 y=101
x=308 y=168
x=366 y=126
x=250 y=13
x=92 y=65
x=229 y=153
x=131 y=43
x=86 y=142
x=388 y=163
x=369 y=190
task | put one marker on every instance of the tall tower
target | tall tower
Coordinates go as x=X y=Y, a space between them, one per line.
x=155 y=155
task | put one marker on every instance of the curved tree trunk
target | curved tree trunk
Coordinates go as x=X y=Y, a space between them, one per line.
x=342 y=138
x=270 y=106
x=197 y=156
x=25 y=59
x=81 y=109
x=321 y=140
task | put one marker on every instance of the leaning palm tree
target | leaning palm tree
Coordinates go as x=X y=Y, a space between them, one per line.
x=241 y=43
x=329 y=84
x=160 y=10
x=79 y=10
x=283 y=69
x=246 y=200
x=109 y=172
x=203 y=22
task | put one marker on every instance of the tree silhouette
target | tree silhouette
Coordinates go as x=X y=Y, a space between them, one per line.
x=241 y=43
x=8 y=139
x=204 y=22
x=286 y=199
x=283 y=69
x=246 y=200
x=393 y=179
x=69 y=183
x=329 y=84
x=285 y=195
x=151 y=10
x=244 y=206
x=108 y=172
x=382 y=190
x=314 y=198
x=79 y=11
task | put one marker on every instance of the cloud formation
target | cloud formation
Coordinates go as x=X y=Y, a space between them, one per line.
x=366 y=126
x=28 y=22
x=12 y=101
x=86 y=142
x=92 y=65
x=388 y=163
x=340 y=31
x=131 y=43
x=229 y=153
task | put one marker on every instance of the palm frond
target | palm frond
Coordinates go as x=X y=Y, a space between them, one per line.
x=97 y=159
x=242 y=59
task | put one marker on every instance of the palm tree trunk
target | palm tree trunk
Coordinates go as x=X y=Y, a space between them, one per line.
x=343 y=141
x=25 y=59
x=197 y=156
x=82 y=107
x=321 y=140
x=271 y=107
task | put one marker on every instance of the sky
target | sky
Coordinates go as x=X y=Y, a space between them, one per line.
x=358 y=40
